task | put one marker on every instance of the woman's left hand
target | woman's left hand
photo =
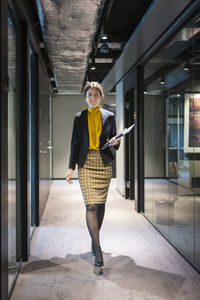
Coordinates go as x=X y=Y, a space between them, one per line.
x=115 y=141
x=68 y=175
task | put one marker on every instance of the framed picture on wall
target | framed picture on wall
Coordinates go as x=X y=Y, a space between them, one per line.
x=192 y=123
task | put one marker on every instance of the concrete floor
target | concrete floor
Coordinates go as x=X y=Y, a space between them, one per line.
x=139 y=263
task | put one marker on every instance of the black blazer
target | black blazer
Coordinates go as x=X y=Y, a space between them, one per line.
x=80 y=138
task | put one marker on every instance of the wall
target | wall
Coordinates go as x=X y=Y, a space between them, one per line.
x=120 y=126
x=64 y=109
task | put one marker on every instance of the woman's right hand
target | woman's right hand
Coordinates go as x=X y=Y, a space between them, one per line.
x=68 y=175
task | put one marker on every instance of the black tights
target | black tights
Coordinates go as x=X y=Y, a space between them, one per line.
x=94 y=219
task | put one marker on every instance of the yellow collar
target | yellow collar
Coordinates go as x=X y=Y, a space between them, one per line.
x=95 y=110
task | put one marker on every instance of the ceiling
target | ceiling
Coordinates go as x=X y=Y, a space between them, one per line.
x=119 y=19
x=73 y=31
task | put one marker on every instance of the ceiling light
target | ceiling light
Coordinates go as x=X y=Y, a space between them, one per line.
x=93 y=67
x=145 y=90
x=162 y=80
x=104 y=37
x=104 y=60
x=186 y=67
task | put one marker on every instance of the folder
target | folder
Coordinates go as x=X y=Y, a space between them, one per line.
x=120 y=134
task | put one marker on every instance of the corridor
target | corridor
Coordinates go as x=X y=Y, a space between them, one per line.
x=139 y=263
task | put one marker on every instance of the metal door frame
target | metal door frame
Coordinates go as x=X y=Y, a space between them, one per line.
x=134 y=80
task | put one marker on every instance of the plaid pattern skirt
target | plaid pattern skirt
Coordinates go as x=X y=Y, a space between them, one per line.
x=94 y=178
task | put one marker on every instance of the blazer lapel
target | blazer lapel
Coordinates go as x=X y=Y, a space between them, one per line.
x=84 y=123
x=103 y=117
x=103 y=122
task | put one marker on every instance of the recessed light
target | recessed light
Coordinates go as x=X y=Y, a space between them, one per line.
x=162 y=80
x=104 y=37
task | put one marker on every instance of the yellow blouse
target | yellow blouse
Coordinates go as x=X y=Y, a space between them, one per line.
x=94 y=127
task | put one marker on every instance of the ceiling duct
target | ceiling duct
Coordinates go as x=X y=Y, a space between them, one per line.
x=69 y=27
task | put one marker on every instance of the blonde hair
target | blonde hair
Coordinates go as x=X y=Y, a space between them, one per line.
x=93 y=84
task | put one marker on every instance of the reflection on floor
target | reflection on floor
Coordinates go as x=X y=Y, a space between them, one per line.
x=175 y=211
x=139 y=262
x=13 y=265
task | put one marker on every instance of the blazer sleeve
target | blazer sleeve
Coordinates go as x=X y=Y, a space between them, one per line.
x=75 y=145
x=113 y=131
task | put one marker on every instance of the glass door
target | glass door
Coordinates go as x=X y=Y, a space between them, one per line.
x=13 y=264
x=129 y=146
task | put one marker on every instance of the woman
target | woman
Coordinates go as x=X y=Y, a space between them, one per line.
x=91 y=130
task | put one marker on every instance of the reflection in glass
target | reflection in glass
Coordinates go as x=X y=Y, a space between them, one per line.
x=12 y=264
x=171 y=140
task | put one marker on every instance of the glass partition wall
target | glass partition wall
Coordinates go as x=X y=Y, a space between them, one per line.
x=172 y=140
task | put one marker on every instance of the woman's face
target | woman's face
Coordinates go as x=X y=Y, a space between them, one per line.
x=93 y=98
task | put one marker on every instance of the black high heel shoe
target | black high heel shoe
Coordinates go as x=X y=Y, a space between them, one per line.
x=98 y=262
x=100 y=272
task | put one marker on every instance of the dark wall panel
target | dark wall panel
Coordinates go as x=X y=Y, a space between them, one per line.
x=3 y=151
x=22 y=113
